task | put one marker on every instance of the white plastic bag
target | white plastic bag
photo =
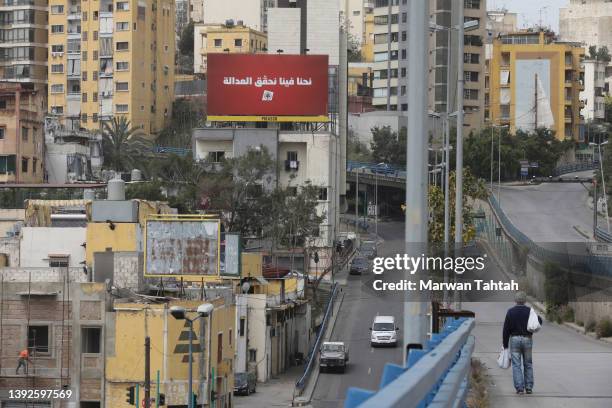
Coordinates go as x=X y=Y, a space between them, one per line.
x=503 y=361
x=533 y=325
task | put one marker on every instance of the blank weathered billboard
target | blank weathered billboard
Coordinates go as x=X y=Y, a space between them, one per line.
x=182 y=247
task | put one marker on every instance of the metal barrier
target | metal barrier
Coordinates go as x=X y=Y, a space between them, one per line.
x=437 y=376
x=312 y=354
x=595 y=264
x=574 y=167
x=603 y=235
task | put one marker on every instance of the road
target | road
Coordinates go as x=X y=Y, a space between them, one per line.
x=549 y=212
x=570 y=369
x=356 y=315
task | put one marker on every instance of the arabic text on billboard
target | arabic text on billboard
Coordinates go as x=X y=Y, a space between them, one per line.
x=267 y=85
x=185 y=247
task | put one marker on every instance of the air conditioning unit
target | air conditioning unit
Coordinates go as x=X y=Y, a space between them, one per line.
x=57 y=54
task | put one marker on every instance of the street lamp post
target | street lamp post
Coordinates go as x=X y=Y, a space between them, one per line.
x=603 y=181
x=180 y=313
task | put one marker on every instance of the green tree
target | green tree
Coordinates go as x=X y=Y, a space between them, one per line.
x=389 y=146
x=599 y=54
x=357 y=150
x=473 y=188
x=186 y=115
x=185 y=45
x=123 y=145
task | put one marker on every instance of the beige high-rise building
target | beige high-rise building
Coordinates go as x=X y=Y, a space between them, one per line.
x=391 y=86
x=110 y=58
x=23 y=75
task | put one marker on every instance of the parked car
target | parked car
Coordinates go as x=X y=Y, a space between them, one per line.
x=368 y=252
x=333 y=355
x=245 y=383
x=359 y=265
x=384 y=331
x=383 y=168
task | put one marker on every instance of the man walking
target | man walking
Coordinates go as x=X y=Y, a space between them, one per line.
x=521 y=343
x=24 y=358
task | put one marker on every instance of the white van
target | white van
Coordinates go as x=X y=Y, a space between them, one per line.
x=384 y=331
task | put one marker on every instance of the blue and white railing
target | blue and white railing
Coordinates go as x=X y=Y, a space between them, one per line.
x=437 y=376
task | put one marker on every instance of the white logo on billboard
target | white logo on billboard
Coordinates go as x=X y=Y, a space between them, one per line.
x=267 y=96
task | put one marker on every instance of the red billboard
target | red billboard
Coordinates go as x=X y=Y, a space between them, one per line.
x=267 y=87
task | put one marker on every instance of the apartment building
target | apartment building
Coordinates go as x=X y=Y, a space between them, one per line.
x=111 y=58
x=23 y=75
x=254 y=13
x=391 y=65
x=229 y=37
x=535 y=82
x=594 y=88
x=356 y=12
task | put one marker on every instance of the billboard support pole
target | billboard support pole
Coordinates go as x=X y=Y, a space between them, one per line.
x=414 y=326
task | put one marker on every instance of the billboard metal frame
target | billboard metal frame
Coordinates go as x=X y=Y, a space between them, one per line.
x=184 y=218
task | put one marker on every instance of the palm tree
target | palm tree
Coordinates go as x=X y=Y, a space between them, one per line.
x=122 y=144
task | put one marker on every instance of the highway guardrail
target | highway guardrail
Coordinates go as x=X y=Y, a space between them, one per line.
x=436 y=376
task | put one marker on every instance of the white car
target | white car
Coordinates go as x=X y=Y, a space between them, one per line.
x=384 y=331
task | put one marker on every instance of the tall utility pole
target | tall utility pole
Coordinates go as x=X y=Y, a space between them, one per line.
x=415 y=327
x=459 y=170
x=147 y=376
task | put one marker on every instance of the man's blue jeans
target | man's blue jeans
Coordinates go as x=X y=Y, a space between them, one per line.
x=520 y=349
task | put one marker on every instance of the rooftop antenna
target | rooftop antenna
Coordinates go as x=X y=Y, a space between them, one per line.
x=541 y=9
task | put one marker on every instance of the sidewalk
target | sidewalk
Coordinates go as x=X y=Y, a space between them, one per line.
x=570 y=369
x=277 y=392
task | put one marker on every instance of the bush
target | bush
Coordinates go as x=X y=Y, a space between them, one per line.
x=579 y=322
x=604 y=328
x=590 y=326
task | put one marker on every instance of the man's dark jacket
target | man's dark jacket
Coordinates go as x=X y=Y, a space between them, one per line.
x=516 y=323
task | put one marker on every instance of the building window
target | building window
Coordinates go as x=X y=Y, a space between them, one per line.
x=94 y=117
x=121 y=86
x=57 y=9
x=238 y=42
x=38 y=339
x=471 y=58
x=121 y=108
x=84 y=118
x=85 y=35
x=59 y=261
x=95 y=15
x=95 y=75
x=57 y=48
x=95 y=36
x=57 y=28
x=94 y=97
x=122 y=46
x=219 y=348
x=34 y=164
x=471 y=76
x=470 y=94
x=252 y=355
x=123 y=5
x=84 y=16
x=242 y=327
x=123 y=26
x=57 y=88
x=95 y=55
x=323 y=194
x=218 y=42
x=84 y=97
x=123 y=65
x=57 y=110
x=2 y=130
x=90 y=339
x=84 y=75
x=57 y=68
x=216 y=157
x=471 y=4
x=25 y=134
x=84 y=56
x=24 y=165
x=229 y=338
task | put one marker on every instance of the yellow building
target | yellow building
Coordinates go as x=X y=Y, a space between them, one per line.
x=359 y=78
x=213 y=355
x=21 y=133
x=215 y=38
x=111 y=58
x=535 y=82
x=367 y=48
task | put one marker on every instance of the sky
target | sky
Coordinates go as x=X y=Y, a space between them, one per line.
x=529 y=11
